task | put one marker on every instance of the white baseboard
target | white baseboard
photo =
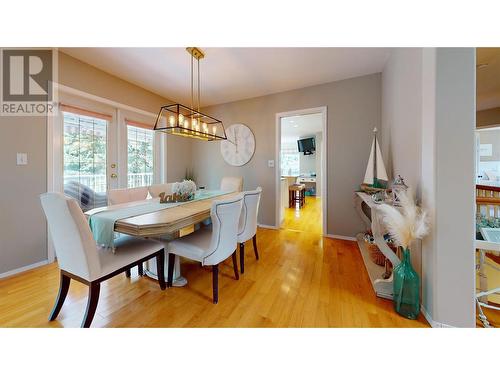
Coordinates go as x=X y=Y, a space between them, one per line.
x=267 y=226
x=22 y=269
x=338 y=237
x=432 y=322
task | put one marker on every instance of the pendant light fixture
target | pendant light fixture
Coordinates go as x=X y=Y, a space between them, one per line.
x=178 y=119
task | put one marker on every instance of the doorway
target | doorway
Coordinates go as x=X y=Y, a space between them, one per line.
x=301 y=177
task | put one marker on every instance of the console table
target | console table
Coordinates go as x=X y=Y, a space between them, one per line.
x=368 y=211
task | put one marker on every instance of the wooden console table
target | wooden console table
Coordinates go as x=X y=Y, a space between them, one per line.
x=372 y=220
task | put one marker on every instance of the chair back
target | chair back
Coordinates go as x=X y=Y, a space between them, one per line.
x=232 y=184
x=225 y=216
x=155 y=190
x=249 y=213
x=73 y=241
x=118 y=196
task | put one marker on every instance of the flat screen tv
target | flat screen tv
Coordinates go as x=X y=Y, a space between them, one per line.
x=306 y=145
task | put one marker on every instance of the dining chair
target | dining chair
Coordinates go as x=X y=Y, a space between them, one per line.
x=248 y=223
x=117 y=196
x=81 y=259
x=211 y=245
x=156 y=189
x=231 y=184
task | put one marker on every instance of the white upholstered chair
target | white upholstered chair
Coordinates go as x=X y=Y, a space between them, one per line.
x=211 y=246
x=118 y=196
x=155 y=190
x=81 y=259
x=231 y=184
x=248 y=223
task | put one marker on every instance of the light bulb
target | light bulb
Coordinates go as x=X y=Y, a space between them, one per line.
x=214 y=129
x=181 y=118
x=171 y=120
x=186 y=123
x=205 y=127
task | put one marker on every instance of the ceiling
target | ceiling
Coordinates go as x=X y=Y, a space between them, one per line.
x=488 y=78
x=230 y=74
x=295 y=127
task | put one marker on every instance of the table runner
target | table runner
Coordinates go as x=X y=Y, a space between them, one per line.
x=102 y=224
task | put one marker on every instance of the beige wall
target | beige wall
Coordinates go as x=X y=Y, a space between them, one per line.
x=23 y=239
x=353 y=111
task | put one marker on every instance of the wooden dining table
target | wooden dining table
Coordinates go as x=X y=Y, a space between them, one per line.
x=168 y=223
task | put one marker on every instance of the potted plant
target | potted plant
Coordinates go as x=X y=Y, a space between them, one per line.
x=405 y=224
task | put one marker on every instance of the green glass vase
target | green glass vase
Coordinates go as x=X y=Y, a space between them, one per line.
x=406 y=284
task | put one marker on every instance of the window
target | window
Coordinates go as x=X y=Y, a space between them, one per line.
x=290 y=160
x=84 y=159
x=140 y=156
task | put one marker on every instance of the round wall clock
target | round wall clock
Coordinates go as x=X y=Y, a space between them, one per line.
x=240 y=145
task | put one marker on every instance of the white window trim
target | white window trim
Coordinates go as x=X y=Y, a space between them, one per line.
x=55 y=147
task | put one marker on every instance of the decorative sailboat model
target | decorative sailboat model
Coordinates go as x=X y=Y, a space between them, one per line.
x=376 y=175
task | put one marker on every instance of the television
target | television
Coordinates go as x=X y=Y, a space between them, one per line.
x=307 y=145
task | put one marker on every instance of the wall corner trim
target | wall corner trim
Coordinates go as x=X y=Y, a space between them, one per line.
x=432 y=322
x=22 y=269
x=339 y=237
x=267 y=226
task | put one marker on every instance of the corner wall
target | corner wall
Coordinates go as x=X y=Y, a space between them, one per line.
x=429 y=101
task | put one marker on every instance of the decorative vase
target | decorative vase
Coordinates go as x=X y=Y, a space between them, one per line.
x=406 y=284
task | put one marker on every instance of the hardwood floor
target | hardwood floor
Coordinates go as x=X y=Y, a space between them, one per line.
x=301 y=280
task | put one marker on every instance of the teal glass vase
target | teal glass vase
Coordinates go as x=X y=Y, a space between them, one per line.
x=406 y=284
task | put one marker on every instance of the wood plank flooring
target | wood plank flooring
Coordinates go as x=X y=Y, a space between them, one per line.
x=301 y=280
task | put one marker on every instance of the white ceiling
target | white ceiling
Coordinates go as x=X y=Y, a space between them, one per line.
x=295 y=127
x=230 y=74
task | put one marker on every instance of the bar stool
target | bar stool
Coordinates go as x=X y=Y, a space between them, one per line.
x=296 y=193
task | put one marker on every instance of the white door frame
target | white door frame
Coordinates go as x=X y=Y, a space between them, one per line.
x=324 y=156
x=54 y=145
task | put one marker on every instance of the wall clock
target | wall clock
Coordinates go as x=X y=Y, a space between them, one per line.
x=240 y=145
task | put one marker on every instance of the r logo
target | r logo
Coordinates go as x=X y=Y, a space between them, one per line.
x=27 y=75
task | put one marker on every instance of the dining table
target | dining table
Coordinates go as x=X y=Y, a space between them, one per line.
x=166 y=222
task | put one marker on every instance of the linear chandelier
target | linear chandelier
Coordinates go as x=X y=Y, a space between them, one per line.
x=178 y=119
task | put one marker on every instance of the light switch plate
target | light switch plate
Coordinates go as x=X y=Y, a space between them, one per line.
x=270 y=163
x=22 y=158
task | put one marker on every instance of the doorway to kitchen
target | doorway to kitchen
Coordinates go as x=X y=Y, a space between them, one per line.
x=301 y=170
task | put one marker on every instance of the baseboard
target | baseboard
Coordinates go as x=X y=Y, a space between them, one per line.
x=432 y=322
x=22 y=269
x=338 y=237
x=267 y=226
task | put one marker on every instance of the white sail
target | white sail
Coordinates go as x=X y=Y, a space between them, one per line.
x=380 y=173
x=369 y=168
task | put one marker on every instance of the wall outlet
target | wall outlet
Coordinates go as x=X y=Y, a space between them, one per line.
x=270 y=163
x=22 y=158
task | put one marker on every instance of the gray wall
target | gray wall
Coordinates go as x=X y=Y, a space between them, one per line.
x=428 y=130
x=23 y=239
x=353 y=111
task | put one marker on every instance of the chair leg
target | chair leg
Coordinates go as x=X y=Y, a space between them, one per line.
x=94 y=289
x=215 y=283
x=140 y=268
x=235 y=265
x=160 y=268
x=242 y=258
x=171 y=264
x=254 y=239
x=127 y=273
x=63 y=292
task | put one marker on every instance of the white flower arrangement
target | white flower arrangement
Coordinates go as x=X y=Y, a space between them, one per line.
x=186 y=188
x=408 y=223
